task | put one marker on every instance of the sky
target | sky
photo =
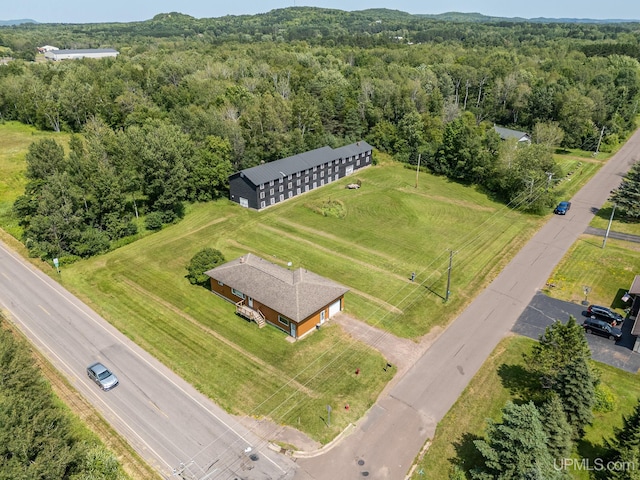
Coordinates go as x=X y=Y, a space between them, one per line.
x=83 y=11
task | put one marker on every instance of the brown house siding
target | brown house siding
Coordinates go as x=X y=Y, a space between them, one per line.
x=271 y=316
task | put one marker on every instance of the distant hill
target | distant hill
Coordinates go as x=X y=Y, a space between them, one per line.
x=16 y=22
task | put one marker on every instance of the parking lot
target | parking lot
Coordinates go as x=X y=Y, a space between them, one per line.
x=543 y=311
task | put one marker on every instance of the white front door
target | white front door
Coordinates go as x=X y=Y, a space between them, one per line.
x=322 y=314
x=250 y=302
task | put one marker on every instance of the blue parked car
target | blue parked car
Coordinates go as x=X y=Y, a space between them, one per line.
x=562 y=208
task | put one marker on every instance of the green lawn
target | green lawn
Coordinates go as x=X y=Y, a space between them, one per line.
x=15 y=140
x=501 y=378
x=369 y=239
x=608 y=272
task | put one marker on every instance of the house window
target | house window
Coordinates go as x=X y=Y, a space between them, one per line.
x=315 y=168
x=263 y=204
x=337 y=176
x=321 y=181
x=322 y=173
x=306 y=172
x=306 y=179
x=281 y=188
x=297 y=174
x=237 y=293
x=329 y=171
x=344 y=160
x=261 y=194
x=289 y=177
x=220 y=283
x=289 y=185
x=281 y=197
x=271 y=183
x=271 y=192
x=272 y=201
x=283 y=320
x=315 y=175
x=289 y=194
x=262 y=186
x=357 y=163
x=298 y=182
x=298 y=192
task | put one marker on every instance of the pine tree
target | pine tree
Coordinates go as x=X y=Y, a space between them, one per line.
x=516 y=448
x=624 y=449
x=576 y=387
x=559 y=431
x=560 y=344
x=627 y=195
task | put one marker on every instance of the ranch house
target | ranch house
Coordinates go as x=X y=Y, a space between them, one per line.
x=295 y=301
x=265 y=185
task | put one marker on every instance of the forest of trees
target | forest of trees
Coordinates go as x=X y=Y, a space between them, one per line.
x=188 y=101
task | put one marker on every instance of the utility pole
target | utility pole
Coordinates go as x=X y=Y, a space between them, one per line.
x=418 y=170
x=613 y=210
x=446 y=297
x=599 y=140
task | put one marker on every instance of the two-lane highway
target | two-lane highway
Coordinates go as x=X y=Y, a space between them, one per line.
x=175 y=428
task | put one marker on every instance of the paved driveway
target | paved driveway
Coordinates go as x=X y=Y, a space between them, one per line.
x=542 y=311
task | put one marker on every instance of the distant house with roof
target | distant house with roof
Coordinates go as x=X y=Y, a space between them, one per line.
x=265 y=185
x=507 y=133
x=295 y=301
x=57 y=55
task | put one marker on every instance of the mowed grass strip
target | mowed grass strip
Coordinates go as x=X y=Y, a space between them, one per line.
x=608 y=272
x=503 y=377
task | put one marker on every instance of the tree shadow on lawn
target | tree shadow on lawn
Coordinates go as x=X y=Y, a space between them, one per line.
x=521 y=383
x=467 y=455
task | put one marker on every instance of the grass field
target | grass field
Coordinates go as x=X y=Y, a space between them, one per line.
x=608 y=272
x=369 y=239
x=485 y=396
x=15 y=140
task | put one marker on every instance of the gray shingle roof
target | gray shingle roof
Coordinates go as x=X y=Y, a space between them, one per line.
x=296 y=294
x=291 y=165
x=506 y=133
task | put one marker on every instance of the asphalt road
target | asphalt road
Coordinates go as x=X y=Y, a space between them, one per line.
x=175 y=428
x=386 y=441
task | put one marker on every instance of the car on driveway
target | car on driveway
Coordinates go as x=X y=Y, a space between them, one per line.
x=562 y=208
x=102 y=376
x=606 y=314
x=602 y=328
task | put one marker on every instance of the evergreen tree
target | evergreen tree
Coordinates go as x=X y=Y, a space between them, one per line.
x=559 y=345
x=516 y=448
x=559 y=431
x=576 y=387
x=627 y=195
x=624 y=449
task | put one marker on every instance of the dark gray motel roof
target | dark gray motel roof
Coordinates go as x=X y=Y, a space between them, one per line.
x=291 y=165
x=296 y=294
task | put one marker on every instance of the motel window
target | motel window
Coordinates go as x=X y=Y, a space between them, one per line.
x=329 y=171
x=283 y=320
x=263 y=204
x=315 y=175
x=262 y=186
x=298 y=192
x=281 y=188
x=281 y=197
x=298 y=182
x=297 y=174
x=261 y=194
x=306 y=179
x=289 y=194
x=237 y=293
x=322 y=173
x=315 y=168
x=271 y=192
x=289 y=185
x=272 y=201
x=271 y=183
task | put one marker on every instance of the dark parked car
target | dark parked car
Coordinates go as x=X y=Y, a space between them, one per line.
x=102 y=376
x=562 y=208
x=602 y=328
x=606 y=314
